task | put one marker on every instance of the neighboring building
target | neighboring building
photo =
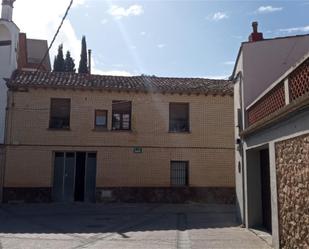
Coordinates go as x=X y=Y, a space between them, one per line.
x=271 y=110
x=73 y=136
x=84 y=137
x=31 y=54
x=16 y=51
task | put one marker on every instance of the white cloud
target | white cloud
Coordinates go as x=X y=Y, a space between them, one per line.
x=161 y=45
x=268 y=9
x=43 y=23
x=111 y=72
x=229 y=63
x=218 y=16
x=217 y=77
x=114 y=72
x=120 y=12
x=143 y=33
x=104 y=21
x=295 y=30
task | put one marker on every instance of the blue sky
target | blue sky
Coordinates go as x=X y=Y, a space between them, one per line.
x=170 y=38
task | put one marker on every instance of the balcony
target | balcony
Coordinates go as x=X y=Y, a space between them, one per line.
x=287 y=90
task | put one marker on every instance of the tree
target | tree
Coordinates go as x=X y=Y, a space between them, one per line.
x=69 y=65
x=83 y=67
x=59 y=60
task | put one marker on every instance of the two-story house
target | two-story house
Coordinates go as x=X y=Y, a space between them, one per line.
x=271 y=90
x=81 y=137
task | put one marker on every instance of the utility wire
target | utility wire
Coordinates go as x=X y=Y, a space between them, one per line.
x=56 y=34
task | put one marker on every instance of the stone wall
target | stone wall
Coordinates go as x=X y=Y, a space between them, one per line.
x=292 y=166
x=27 y=195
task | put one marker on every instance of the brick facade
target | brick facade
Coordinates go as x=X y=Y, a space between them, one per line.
x=208 y=146
x=292 y=165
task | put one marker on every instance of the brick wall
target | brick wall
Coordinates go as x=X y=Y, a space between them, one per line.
x=292 y=165
x=121 y=167
x=209 y=146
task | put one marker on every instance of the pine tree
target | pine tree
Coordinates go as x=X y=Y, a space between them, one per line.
x=55 y=63
x=59 y=60
x=83 y=67
x=69 y=65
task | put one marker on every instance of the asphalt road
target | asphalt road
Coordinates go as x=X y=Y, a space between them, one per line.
x=123 y=226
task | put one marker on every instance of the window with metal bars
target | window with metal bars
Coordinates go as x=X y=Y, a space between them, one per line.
x=179 y=173
x=60 y=113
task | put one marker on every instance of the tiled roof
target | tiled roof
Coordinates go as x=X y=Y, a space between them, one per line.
x=120 y=83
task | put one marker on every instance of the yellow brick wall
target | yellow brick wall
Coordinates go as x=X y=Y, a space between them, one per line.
x=32 y=166
x=209 y=146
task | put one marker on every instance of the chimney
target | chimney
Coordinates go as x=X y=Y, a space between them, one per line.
x=22 y=51
x=255 y=35
x=7 y=10
x=89 y=61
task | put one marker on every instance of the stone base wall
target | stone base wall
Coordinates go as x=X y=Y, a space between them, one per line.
x=140 y=194
x=26 y=195
x=167 y=195
x=292 y=166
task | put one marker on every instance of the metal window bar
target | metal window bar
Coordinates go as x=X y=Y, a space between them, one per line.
x=179 y=173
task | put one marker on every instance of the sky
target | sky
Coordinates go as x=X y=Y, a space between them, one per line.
x=174 y=38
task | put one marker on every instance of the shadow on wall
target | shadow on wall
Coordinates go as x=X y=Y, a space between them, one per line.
x=112 y=218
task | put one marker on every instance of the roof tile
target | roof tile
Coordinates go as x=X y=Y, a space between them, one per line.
x=131 y=83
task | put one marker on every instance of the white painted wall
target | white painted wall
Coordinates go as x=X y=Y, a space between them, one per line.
x=8 y=63
x=238 y=152
x=7 y=12
x=265 y=61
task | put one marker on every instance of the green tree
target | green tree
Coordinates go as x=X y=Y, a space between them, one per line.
x=59 y=60
x=69 y=65
x=83 y=64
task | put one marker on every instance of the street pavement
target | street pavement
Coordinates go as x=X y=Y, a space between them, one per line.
x=123 y=226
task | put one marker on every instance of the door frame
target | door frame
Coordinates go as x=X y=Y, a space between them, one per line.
x=75 y=152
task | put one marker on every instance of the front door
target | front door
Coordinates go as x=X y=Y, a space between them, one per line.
x=74 y=176
x=265 y=191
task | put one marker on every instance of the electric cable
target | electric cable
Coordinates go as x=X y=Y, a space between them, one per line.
x=56 y=34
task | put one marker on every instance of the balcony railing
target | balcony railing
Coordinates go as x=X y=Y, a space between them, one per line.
x=299 y=81
x=288 y=89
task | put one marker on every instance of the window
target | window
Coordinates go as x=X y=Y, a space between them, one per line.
x=100 y=119
x=121 y=115
x=179 y=173
x=179 y=117
x=60 y=114
x=5 y=43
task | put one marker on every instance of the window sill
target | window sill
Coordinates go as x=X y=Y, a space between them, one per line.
x=100 y=129
x=59 y=129
x=129 y=131
x=180 y=132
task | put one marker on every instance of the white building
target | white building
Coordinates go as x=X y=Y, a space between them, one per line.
x=271 y=89
x=9 y=35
